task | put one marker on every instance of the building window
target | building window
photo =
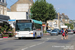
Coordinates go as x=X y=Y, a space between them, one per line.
x=0 y=0
x=2 y=11
x=27 y=15
x=65 y=19
x=50 y=24
x=5 y=11
x=3 y=1
x=55 y=25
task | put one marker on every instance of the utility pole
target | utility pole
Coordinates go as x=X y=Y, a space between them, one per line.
x=58 y=21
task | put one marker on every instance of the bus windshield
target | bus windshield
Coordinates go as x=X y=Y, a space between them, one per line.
x=23 y=26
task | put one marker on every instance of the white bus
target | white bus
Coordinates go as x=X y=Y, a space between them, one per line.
x=28 y=28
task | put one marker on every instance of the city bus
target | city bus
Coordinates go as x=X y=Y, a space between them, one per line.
x=28 y=28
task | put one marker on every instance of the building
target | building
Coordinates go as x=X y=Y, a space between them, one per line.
x=20 y=10
x=52 y=24
x=3 y=8
x=3 y=11
x=21 y=6
x=64 y=18
x=3 y=14
x=58 y=22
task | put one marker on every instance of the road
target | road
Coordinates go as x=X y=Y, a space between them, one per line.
x=44 y=43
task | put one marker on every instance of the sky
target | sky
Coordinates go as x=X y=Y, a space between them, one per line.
x=62 y=6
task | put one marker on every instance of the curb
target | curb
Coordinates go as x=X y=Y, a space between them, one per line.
x=8 y=38
x=46 y=34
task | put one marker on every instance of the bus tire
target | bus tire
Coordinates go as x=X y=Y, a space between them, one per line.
x=19 y=38
x=40 y=35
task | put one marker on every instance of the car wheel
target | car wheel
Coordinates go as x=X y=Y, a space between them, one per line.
x=51 y=34
x=56 y=34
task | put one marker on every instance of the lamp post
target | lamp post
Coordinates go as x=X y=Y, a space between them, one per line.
x=58 y=21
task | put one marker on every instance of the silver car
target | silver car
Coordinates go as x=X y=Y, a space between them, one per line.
x=70 y=31
x=54 y=32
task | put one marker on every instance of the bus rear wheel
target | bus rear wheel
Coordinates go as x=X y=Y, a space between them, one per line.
x=40 y=35
x=19 y=38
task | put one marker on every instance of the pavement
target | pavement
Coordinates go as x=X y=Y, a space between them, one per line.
x=46 y=34
x=45 y=43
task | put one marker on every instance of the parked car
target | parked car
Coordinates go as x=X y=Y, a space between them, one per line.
x=49 y=31
x=54 y=32
x=57 y=30
x=70 y=31
x=73 y=31
x=60 y=31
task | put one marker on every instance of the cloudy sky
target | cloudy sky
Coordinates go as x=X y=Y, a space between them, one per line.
x=61 y=6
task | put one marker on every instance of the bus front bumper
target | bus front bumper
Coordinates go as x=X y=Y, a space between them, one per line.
x=23 y=35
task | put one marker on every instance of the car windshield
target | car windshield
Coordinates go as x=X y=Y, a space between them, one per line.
x=59 y=30
x=54 y=30
x=23 y=26
x=69 y=30
x=48 y=30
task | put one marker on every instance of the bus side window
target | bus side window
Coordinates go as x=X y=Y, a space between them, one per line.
x=33 y=26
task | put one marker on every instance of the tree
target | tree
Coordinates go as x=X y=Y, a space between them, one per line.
x=70 y=25
x=43 y=11
x=52 y=12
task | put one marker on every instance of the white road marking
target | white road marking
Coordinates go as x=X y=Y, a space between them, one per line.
x=25 y=48
x=34 y=45
x=38 y=43
x=48 y=38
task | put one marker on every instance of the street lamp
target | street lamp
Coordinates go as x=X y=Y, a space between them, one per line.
x=58 y=21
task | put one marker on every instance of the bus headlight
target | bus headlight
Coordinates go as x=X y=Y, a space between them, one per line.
x=31 y=33
x=16 y=33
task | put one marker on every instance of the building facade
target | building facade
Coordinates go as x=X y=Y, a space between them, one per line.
x=64 y=18
x=20 y=10
x=3 y=11
x=52 y=24
x=21 y=6
x=3 y=8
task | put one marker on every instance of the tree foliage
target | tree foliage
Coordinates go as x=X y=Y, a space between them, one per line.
x=43 y=11
x=69 y=25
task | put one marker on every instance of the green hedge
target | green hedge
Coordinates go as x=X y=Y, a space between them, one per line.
x=5 y=35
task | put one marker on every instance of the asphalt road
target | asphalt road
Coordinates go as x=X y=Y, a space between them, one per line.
x=44 y=43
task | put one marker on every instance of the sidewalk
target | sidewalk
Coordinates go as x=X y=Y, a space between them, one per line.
x=45 y=34
x=7 y=38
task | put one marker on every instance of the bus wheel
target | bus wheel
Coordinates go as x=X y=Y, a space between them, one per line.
x=40 y=35
x=19 y=38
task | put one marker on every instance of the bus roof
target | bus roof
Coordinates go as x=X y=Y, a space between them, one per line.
x=36 y=21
